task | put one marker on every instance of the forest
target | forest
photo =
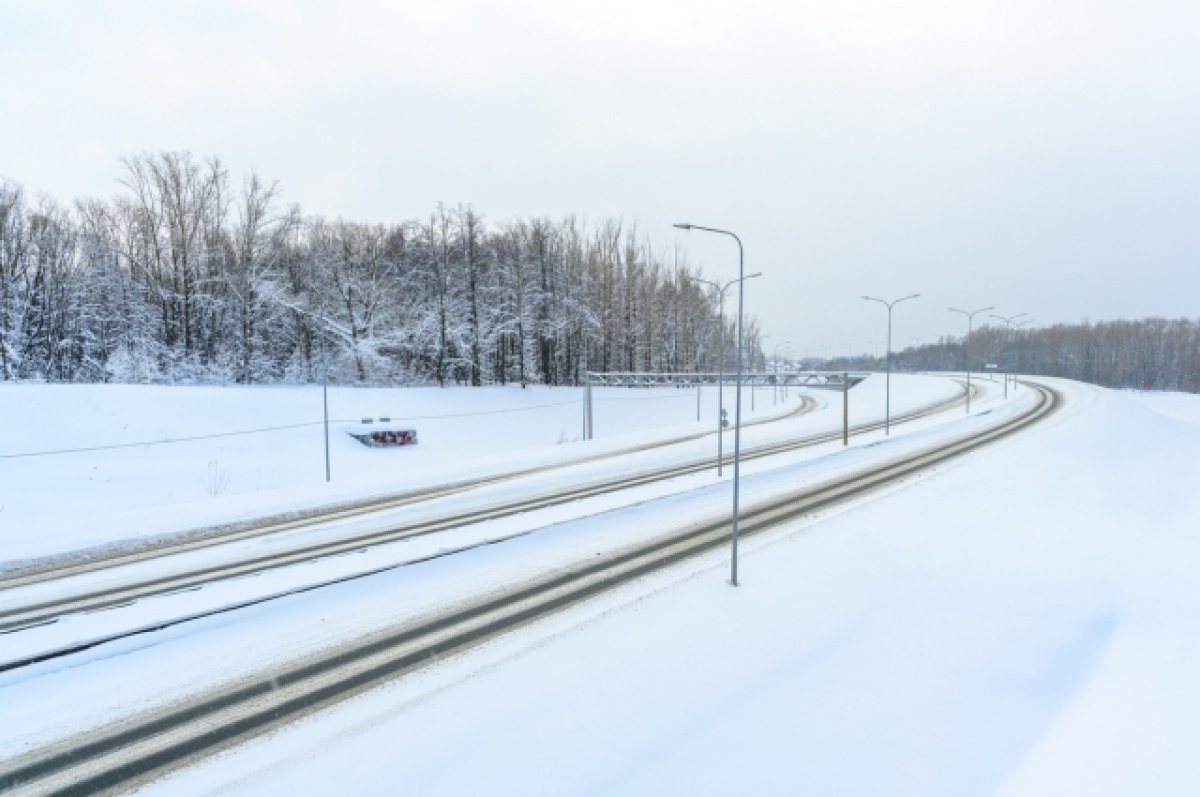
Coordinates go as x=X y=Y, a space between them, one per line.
x=184 y=277
x=1146 y=354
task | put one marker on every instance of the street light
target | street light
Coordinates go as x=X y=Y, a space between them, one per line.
x=737 y=423
x=325 y=402
x=887 y=412
x=970 y=316
x=1008 y=323
x=1016 y=354
x=721 y=355
x=778 y=386
x=759 y=348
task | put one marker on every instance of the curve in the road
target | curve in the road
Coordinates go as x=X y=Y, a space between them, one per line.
x=63 y=566
x=141 y=748
x=92 y=600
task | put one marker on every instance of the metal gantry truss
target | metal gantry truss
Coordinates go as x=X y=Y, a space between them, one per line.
x=834 y=380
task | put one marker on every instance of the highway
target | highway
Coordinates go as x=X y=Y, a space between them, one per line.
x=43 y=597
x=142 y=747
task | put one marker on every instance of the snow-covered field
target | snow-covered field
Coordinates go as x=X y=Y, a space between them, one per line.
x=234 y=451
x=153 y=460
x=1025 y=621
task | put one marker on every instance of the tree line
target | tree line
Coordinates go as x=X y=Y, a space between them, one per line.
x=1146 y=354
x=184 y=276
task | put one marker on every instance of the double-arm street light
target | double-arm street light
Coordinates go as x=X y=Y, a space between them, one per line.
x=1008 y=323
x=1016 y=347
x=737 y=422
x=759 y=347
x=887 y=412
x=1007 y=319
x=970 y=317
x=720 y=289
x=779 y=391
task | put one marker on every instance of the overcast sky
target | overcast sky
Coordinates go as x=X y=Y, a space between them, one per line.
x=1040 y=156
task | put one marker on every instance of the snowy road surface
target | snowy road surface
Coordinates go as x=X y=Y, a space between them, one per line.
x=983 y=629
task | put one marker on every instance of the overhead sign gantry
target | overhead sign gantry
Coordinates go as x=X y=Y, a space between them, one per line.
x=834 y=380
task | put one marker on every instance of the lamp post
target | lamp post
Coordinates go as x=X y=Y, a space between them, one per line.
x=737 y=423
x=324 y=390
x=887 y=411
x=758 y=347
x=970 y=317
x=325 y=403
x=778 y=386
x=1008 y=323
x=1017 y=348
x=721 y=356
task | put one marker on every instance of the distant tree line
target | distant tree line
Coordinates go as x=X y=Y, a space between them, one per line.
x=1147 y=354
x=184 y=277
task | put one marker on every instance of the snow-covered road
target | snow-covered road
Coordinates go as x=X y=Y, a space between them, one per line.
x=69 y=614
x=1015 y=625
x=179 y=661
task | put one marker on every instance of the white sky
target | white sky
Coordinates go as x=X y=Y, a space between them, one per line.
x=1040 y=156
